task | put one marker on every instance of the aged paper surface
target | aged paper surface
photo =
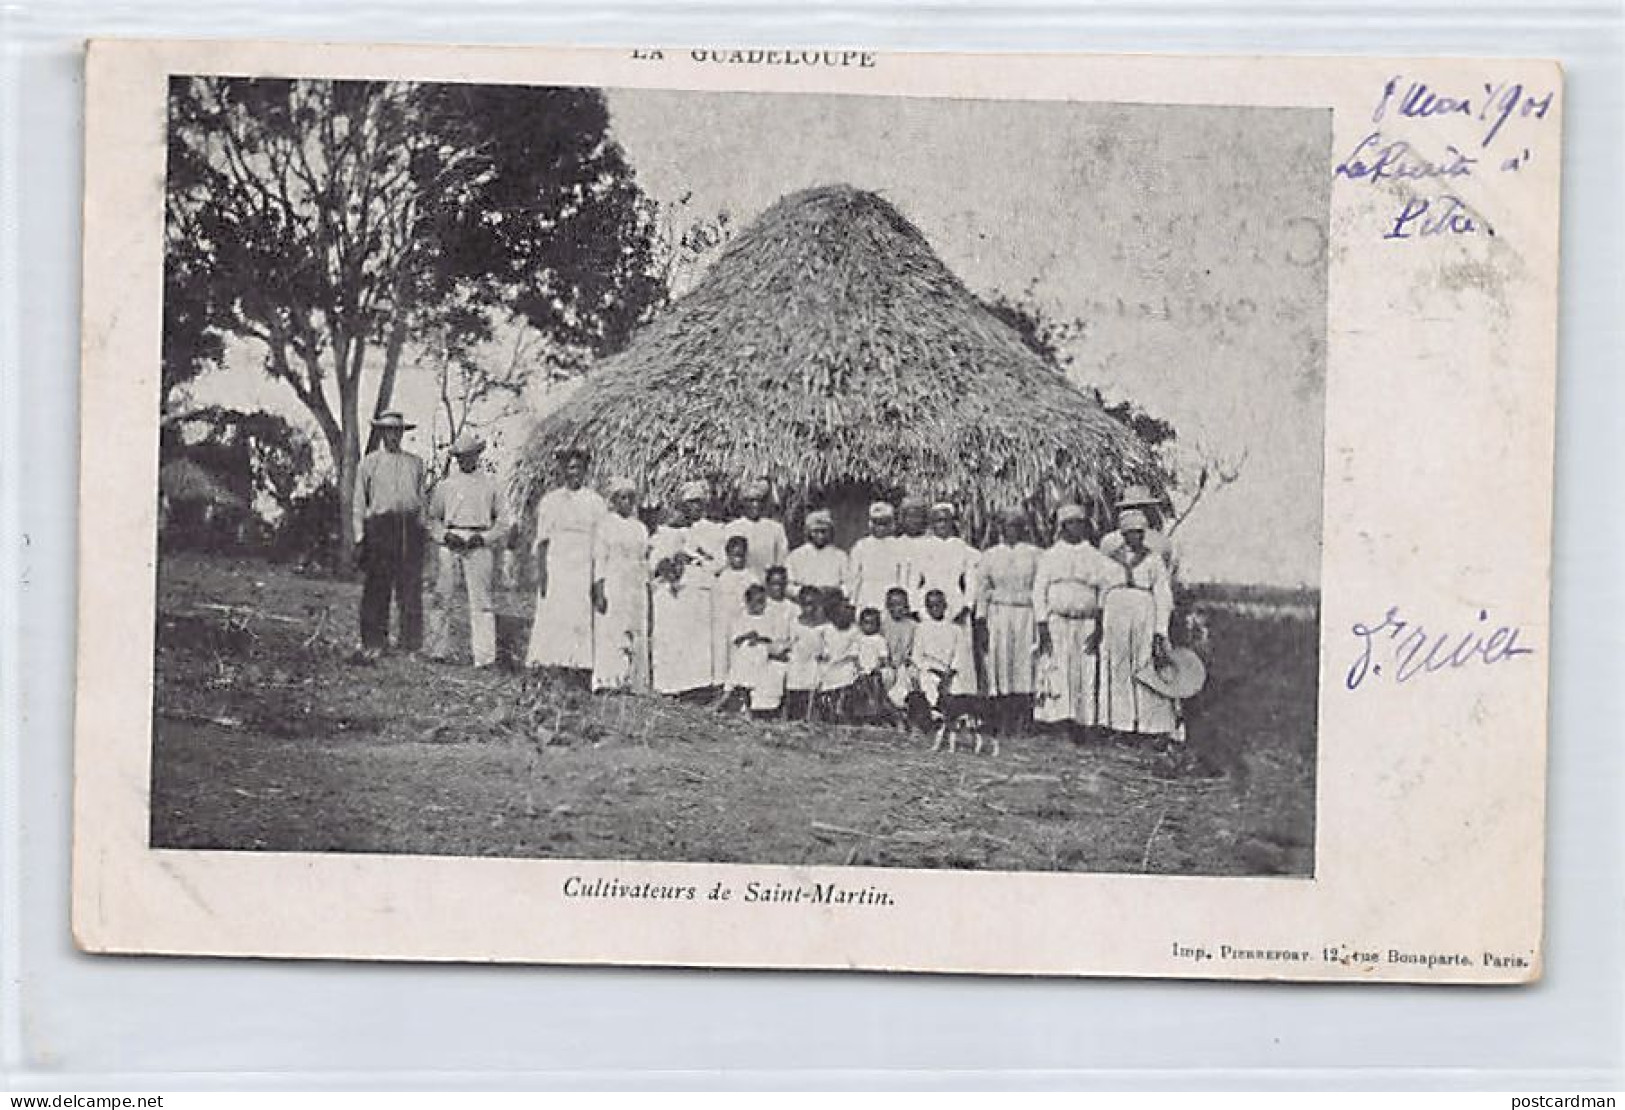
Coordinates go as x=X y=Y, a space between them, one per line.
x=1335 y=280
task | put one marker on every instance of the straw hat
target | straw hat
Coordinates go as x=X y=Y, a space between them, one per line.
x=1182 y=676
x=467 y=444
x=392 y=419
x=1138 y=497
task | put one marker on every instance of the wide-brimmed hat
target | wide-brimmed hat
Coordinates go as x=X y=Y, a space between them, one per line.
x=1182 y=676
x=467 y=444
x=392 y=419
x=1138 y=497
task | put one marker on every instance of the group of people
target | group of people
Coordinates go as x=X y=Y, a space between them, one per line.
x=910 y=625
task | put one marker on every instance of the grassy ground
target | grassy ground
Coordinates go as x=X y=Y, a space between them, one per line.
x=265 y=737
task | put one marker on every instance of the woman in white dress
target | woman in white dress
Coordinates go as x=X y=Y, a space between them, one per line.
x=1004 y=612
x=1066 y=609
x=1135 y=612
x=683 y=560
x=620 y=594
x=567 y=519
x=943 y=561
x=768 y=545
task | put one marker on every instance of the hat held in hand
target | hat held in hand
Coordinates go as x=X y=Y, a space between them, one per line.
x=1182 y=676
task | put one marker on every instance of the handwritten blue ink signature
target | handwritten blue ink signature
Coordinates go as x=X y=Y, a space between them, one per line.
x=1417 y=651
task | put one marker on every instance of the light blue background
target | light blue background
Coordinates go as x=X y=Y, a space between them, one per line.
x=77 y=1022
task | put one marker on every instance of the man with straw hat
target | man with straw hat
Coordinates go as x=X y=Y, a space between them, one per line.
x=466 y=521
x=769 y=547
x=1141 y=499
x=388 y=511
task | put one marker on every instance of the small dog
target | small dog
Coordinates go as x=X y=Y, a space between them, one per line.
x=951 y=728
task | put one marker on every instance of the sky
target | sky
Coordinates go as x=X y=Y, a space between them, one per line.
x=1190 y=241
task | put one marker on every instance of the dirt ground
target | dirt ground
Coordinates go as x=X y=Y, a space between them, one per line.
x=266 y=737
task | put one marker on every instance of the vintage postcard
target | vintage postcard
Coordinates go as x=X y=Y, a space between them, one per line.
x=1040 y=514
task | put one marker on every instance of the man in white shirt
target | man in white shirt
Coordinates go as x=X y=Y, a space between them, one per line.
x=466 y=521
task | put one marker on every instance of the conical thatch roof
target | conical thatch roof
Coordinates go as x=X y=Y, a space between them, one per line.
x=829 y=346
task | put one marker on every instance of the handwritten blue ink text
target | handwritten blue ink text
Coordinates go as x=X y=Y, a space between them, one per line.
x=1414 y=650
x=1446 y=215
x=1499 y=103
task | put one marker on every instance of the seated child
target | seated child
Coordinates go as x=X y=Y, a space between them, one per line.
x=754 y=681
x=804 y=661
x=840 y=663
x=868 y=700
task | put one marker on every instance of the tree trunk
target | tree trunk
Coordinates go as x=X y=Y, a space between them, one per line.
x=349 y=458
x=347 y=461
x=394 y=345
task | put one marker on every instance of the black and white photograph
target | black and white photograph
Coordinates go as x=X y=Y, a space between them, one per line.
x=739 y=477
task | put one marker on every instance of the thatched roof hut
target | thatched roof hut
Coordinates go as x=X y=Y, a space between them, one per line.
x=830 y=350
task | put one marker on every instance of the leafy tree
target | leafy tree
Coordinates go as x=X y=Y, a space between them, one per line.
x=331 y=222
x=276 y=456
